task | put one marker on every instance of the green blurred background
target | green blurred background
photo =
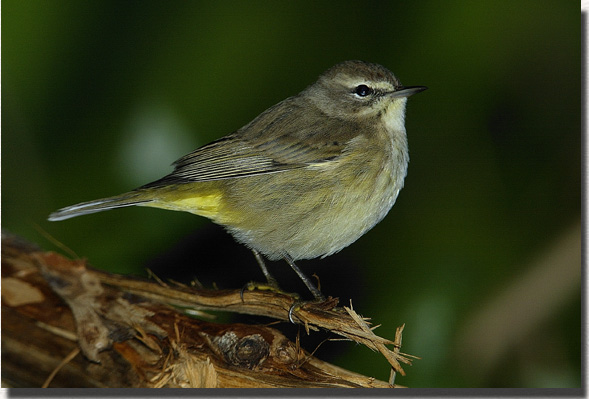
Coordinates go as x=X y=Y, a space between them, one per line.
x=481 y=255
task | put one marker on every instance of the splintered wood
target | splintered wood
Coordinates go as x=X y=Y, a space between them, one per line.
x=138 y=333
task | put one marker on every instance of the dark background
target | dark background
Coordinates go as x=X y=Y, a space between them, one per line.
x=481 y=255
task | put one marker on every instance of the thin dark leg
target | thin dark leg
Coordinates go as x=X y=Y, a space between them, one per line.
x=271 y=280
x=316 y=293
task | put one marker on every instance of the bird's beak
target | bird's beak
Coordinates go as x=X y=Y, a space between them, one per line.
x=406 y=91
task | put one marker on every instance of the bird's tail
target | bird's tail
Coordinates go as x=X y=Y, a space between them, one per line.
x=104 y=204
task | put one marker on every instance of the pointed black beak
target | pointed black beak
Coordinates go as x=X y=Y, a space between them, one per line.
x=406 y=91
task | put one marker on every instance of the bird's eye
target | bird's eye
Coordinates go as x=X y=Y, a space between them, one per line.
x=363 y=90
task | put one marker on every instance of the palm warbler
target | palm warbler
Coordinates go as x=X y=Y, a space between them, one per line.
x=304 y=179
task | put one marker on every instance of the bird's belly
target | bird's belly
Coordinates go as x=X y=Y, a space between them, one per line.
x=308 y=215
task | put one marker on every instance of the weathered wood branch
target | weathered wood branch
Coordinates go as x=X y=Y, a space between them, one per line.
x=68 y=325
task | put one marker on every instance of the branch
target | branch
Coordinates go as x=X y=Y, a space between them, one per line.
x=137 y=333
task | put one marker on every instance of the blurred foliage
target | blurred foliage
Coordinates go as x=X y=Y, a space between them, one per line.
x=100 y=97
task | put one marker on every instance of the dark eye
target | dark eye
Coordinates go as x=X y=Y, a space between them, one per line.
x=363 y=90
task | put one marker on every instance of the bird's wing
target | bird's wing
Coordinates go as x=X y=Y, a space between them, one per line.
x=275 y=141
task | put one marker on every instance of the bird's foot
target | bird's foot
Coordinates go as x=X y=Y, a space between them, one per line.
x=271 y=285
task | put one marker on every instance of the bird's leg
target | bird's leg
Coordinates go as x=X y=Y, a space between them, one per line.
x=314 y=290
x=271 y=285
x=271 y=280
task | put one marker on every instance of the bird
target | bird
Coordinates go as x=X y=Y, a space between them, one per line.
x=304 y=179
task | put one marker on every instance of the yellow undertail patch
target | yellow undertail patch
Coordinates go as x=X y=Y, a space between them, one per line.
x=202 y=205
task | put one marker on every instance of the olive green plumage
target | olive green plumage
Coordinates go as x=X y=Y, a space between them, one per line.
x=304 y=179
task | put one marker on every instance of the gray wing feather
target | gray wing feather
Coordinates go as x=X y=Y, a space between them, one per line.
x=275 y=141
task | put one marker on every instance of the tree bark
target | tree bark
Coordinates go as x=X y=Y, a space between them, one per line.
x=65 y=324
